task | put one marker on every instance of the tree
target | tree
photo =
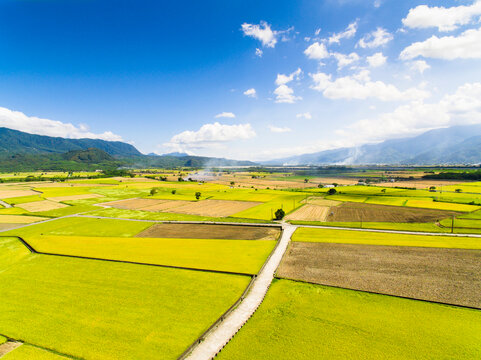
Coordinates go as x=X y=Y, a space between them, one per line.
x=232 y=183
x=180 y=178
x=383 y=190
x=332 y=191
x=458 y=190
x=279 y=214
x=306 y=180
x=174 y=191
x=320 y=186
x=198 y=195
x=335 y=184
x=153 y=191
x=432 y=188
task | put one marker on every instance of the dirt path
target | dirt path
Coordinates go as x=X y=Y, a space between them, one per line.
x=5 y=205
x=5 y=348
x=221 y=335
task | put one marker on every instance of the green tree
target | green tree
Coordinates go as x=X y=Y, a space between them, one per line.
x=198 y=195
x=174 y=191
x=332 y=191
x=279 y=214
x=306 y=180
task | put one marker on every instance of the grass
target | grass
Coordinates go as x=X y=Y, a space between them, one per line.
x=2 y=339
x=127 y=311
x=23 y=199
x=422 y=227
x=83 y=226
x=266 y=210
x=304 y=321
x=243 y=256
x=374 y=238
x=27 y=352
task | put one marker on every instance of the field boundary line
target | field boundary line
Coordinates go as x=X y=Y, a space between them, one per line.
x=405 y=232
x=383 y=294
x=217 y=336
x=34 y=251
x=22 y=342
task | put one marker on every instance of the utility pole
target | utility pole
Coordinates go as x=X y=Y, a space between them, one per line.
x=452 y=225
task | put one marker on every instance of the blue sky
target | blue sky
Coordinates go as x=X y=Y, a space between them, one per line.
x=174 y=76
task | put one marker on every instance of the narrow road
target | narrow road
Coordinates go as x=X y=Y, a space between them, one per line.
x=5 y=205
x=221 y=335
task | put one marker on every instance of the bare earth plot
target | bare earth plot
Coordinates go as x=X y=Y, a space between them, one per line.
x=434 y=274
x=207 y=231
x=350 y=211
x=20 y=219
x=6 y=194
x=309 y=213
x=133 y=204
x=41 y=206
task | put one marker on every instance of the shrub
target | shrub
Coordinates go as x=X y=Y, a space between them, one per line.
x=279 y=214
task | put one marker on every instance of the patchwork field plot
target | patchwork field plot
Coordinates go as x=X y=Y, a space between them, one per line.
x=305 y=321
x=26 y=352
x=128 y=311
x=44 y=205
x=309 y=212
x=84 y=226
x=13 y=193
x=379 y=238
x=351 y=211
x=212 y=208
x=208 y=231
x=20 y=219
x=239 y=256
x=74 y=197
x=442 y=275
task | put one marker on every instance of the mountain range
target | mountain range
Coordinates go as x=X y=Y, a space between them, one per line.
x=446 y=146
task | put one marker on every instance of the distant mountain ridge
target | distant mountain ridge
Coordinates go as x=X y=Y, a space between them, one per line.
x=19 y=142
x=453 y=145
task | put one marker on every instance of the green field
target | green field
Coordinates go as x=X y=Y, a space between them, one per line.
x=266 y=210
x=304 y=321
x=83 y=226
x=103 y=310
x=27 y=352
x=2 y=339
x=242 y=256
x=377 y=238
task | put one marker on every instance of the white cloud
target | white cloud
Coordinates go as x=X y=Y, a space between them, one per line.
x=317 y=51
x=419 y=66
x=210 y=135
x=346 y=34
x=259 y=52
x=360 y=86
x=445 y=19
x=285 y=94
x=279 y=129
x=251 y=93
x=33 y=125
x=306 y=115
x=284 y=79
x=344 y=60
x=461 y=108
x=265 y=34
x=376 y=60
x=377 y=3
x=317 y=32
x=465 y=46
x=375 y=39
x=225 y=115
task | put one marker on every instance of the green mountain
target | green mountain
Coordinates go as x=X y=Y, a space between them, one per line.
x=18 y=142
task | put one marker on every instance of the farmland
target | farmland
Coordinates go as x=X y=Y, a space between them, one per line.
x=113 y=252
x=306 y=321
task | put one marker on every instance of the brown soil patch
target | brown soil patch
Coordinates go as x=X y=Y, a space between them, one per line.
x=309 y=213
x=207 y=231
x=20 y=219
x=321 y=201
x=214 y=208
x=5 y=348
x=74 y=197
x=350 y=211
x=133 y=204
x=166 y=205
x=6 y=194
x=8 y=226
x=41 y=206
x=434 y=274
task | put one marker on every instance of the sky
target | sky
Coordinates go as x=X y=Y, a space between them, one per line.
x=250 y=80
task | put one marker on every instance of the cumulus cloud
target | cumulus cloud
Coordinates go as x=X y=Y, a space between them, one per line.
x=285 y=94
x=376 y=60
x=265 y=34
x=465 y=46
x=259 y=52
x=445 y=19
x=360 y=86
x=345 y=60
x=317 y=51
x=276 y=129
x=419 y=66
x=251 y=93
x=346 y=34
x=33 y=125
x=375 y=39
x=225 y=115
x=306 y=115
x=210 y=135
x=461 y=108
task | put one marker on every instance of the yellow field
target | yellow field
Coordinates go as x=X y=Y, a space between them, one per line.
x=20 y=219
x=74 y=197
x=41 y=206
x=309 y=213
